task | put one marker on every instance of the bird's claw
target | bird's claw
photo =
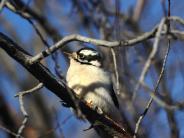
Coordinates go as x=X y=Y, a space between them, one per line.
x=99 y=110
x=90 y=104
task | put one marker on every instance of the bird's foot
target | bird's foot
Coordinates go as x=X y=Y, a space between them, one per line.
x=99 y=110
x=96 y=108
x=89 y=103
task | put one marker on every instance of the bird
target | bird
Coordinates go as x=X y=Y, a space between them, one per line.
x=91 y=83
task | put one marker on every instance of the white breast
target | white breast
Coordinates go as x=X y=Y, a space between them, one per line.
x=92 y=84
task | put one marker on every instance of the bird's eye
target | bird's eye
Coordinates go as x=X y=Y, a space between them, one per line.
x=81 y=56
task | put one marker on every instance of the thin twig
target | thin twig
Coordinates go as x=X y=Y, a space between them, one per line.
x=117 y=29
x=20 y=95
x=139 y=7
x=40 y=19
x=150 y=58
x=116 y=71
x=9 y=131
x=53 y=56
x=39 y=86
x=13 y=9
x=163 y=103
x=155 y=90
x=29 y=19
x=176 y=19
x=160 y=102
x=2 y=4
x=158 y=81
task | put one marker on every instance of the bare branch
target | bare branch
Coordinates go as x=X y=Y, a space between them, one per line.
x=9 y=131
x=2 y=4
x=150 y=58
x=97 y=42
x=138 y=10
x=176 y=19
x=176 y=106
x=116 y=71
x=23 y=110
x=155 y=90
x=160 y=76
x=36 y=88
x=31 y=14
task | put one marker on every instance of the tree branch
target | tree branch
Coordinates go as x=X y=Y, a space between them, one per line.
x=98 y=42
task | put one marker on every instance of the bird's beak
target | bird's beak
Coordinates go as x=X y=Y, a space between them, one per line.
x=70 y=55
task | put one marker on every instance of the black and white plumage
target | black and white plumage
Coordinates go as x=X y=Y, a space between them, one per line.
x=88 y=56
x=91 y=82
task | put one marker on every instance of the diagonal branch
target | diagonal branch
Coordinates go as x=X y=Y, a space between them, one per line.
x=155 y=91
x=150 y=58
x=19 y=7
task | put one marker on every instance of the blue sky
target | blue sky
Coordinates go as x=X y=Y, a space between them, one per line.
x=148 y=20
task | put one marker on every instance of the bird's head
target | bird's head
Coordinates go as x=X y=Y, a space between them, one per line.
x=88 y=56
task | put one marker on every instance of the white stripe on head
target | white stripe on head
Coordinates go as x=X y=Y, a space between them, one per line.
x=88 y=52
